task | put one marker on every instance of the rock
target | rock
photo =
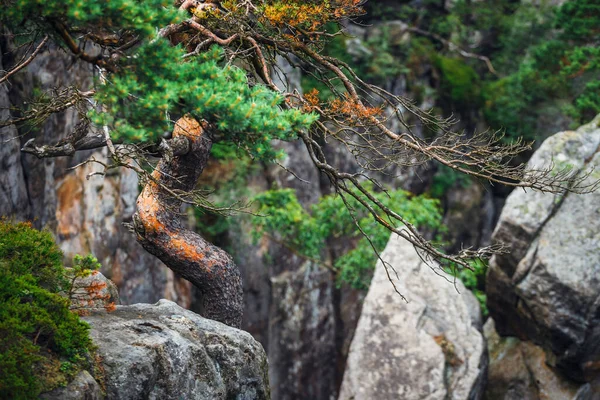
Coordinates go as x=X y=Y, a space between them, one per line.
x=90 y=215
x=428 y=347
x=546 y=288
x=469 y=216
x=93 y=292
x=13 y=190
x=163 y=351
x=302 y=335
x=83 y=387
x=588 y=392
x=518 y=371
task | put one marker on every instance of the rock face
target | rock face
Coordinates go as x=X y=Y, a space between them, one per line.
x=89 y=219
x=86 y=216
x=546 y=289
x=93 y=291
x=302 y=339
x=519 y=371
x=13 y=191
x=430 y=347
x=83 y=387
x=163 y=351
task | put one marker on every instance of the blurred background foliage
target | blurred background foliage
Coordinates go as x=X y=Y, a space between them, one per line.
x=544 y=77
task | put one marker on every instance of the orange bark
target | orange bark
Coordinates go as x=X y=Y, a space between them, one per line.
x=159 y=230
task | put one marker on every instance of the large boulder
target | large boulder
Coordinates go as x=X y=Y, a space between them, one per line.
x=546 y=288
x=518 y=371
x=163 y=351
x=428 y=347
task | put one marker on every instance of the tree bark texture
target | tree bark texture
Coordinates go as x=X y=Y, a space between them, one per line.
x=160 y=231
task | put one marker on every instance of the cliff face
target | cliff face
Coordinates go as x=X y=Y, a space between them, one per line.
x=293 y=308
x=86 y=215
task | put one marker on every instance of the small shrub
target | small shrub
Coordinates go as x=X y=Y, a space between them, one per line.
x=42 y=343
x=459 y=82
x=284 y=220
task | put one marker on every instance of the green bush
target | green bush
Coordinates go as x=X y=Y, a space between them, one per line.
x=459 y=82
x=284 y=219
x=38 y=332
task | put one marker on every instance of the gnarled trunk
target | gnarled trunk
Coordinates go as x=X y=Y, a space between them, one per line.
x=159 y=229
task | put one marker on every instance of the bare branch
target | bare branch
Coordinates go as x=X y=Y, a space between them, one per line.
x=26 y=62
x=76 y=50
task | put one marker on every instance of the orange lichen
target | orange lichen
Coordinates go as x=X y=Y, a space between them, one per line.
x=184 y=248
x=149 y=207
x=449 y=350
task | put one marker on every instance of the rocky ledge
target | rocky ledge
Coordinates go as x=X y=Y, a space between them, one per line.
x=162 y=351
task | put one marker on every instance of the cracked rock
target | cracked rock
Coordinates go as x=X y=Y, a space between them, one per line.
x=428 y=347
x=163 y=351
x=547 y=288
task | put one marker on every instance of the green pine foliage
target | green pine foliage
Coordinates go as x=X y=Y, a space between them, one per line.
x=158 y=83
x=308 y=231
x=154 y=84
x=42 y=343
x=139 y=17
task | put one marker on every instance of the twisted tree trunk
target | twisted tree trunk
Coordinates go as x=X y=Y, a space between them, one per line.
x=160 y=232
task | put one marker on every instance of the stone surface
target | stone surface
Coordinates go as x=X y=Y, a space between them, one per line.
x=302 y=347
x=470 y=210
x=163 y=351
x=94 y=291
x=428 y=347
x=13 y=191
x=519 y=371
x=546 y=289
x=83 y=387
x=89 y=219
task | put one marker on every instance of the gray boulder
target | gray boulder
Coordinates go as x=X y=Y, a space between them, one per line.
x=429 y=347
x=546 y=288
x=163 y=351
x=83 y=387
x=519 y=371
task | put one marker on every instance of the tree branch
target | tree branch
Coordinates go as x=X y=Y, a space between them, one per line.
x=26 y=62
x=74 y=47
x=172 y=147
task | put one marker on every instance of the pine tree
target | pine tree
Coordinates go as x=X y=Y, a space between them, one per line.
x=203 y=70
